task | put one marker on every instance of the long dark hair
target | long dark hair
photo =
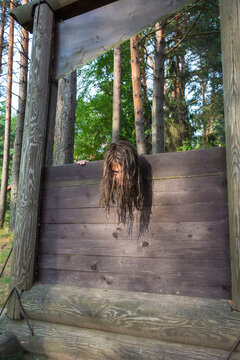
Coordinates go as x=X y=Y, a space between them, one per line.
x=127 y=192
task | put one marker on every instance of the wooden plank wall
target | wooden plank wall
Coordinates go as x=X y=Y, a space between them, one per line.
x=185 y=249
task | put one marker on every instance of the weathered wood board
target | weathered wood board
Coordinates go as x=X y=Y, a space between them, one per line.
x=63 y=9
x=72 y=343
x=230 y=35
x=185 y=249
x=84 y=37
x=179 y=319
x=32 y=158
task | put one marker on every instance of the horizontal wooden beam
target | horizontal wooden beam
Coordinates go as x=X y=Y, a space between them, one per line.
x=193 y=321
x=167 y=166
x=72 y=343
x=84 y=37
x=63 y=9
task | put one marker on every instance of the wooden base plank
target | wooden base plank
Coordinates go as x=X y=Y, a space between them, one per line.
x=190 y=320
x=71 y=343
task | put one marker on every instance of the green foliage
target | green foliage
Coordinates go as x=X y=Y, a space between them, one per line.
x=201 y=79
x=193 y=107
x=5 y=247
x=94 y=109
x=12 y=136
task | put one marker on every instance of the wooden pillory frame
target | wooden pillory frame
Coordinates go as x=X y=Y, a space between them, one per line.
x=124 y=316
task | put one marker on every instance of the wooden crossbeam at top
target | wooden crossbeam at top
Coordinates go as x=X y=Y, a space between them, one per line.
x=63 y=9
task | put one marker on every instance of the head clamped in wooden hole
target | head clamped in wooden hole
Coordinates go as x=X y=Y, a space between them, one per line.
x=123 y=185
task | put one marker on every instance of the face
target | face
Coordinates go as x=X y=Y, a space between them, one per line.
x=116 y=172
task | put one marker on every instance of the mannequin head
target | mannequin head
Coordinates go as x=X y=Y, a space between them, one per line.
x=122 y=180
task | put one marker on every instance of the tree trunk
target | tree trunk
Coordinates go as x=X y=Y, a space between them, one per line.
x=116 y=121
x=212 y=125
x=3 y=20
x=5 y=168
x=65 y=119
x=137 y=96
x=147 y=106
x=20 y=122
x=179 y=102
x=205 y=137
x=158 y=93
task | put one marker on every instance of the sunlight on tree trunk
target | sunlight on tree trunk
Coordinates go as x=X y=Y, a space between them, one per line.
x=65 y=120
x=5 y=168
x=116 y=121
x=158 y=92
x=20 y=122
x=3 y=20
x=137 y=96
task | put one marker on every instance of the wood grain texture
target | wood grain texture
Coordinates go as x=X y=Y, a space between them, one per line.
x=51 y=123
x=185 y=249
x=187 y=320
x=212 y=232
x=148 y=247
x=32 y=158
x=63 y=9
x=138 y=266
x=107 y=27
x=71 y=343
x=230 y=35
x=190 y=285
x=165 y=213
x=183 y=164
x=161 y=192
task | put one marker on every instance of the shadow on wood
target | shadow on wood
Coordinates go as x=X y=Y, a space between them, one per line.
x=10 y=347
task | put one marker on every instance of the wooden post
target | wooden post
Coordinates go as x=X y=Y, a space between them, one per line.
x=51 y=123
x=22 y=269
x=230 y=33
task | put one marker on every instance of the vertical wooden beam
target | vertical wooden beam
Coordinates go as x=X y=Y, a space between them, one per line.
x=51 y=123
x=230 y=33
x=22 y=269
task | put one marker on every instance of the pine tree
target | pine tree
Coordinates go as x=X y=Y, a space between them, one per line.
x=5 y=168
x=158 y=91
x=116 y=121
x=20 y=122
x=2 y=26
x=137 y=96
x=65 y=120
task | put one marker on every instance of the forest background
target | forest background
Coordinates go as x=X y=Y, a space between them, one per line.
x=162 y=90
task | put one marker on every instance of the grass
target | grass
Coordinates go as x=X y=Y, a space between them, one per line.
x=5 y=247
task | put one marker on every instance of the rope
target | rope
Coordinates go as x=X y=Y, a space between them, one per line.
x=6 y=262
x=17 y=295
x=21 y=308
x=233 y=349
